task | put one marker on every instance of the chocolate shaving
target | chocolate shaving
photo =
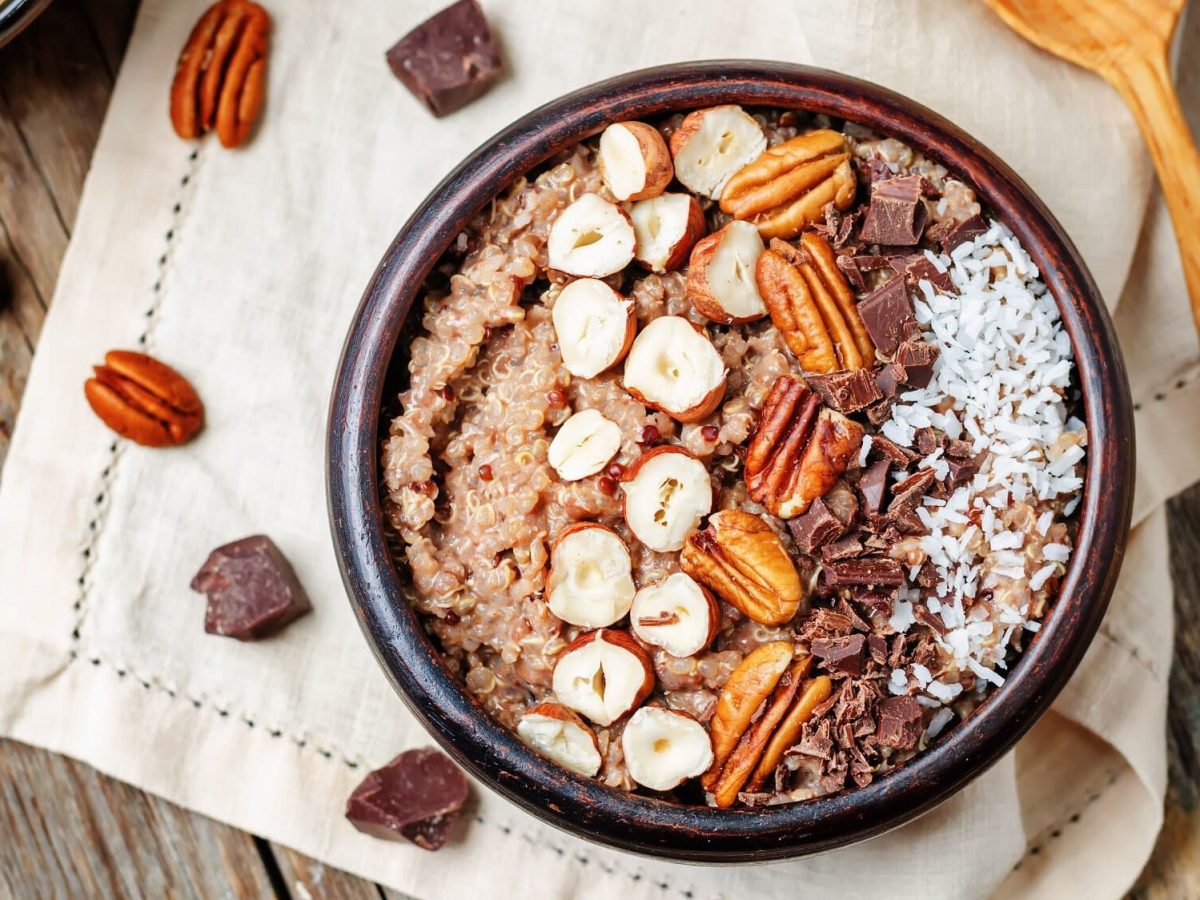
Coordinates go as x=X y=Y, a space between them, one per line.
x=877 y=648
x=900 y=723
x=896 y=215
x=815 y=739
x=887 y=314
x=846 y=548
x=856 y=621
x=918 y=268
x=864 y=571
x=823 y=623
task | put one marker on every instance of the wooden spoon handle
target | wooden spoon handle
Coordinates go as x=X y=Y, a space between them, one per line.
x=1146 y=85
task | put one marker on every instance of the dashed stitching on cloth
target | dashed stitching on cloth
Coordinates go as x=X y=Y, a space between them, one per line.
x=108 y=473
x=123 y=671
x=1166 y=390
x=1036 y=846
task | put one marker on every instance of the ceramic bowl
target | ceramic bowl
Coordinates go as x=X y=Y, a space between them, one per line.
x=373 y=366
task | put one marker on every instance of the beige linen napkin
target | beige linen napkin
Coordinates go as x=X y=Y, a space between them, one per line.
x=244 y=268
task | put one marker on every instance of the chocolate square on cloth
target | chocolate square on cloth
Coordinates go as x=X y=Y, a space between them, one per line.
x=252 y=590
x=449 y=59
x=418 y=796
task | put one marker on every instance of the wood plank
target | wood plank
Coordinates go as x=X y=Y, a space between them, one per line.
x=71 y=832
x=55 y=83
x=111 y=22
x=307 y=879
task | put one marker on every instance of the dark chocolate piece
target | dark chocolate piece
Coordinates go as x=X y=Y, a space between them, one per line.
x=846 y=391
x=849 y=267
x=888 y=316
x=900 y=723
x=887 y=448
x=960 y=449
x=873 y=486
x=449 y=59
x=907 y=494
x=887 y=379
x=918 y=268
x=878 y=413
x=842 y=502
x=928 y=576
x=961 y=470
x=880 y=603
x=816 y=528
x=418 y=796
x=846 y=548
x=929 y=618
x=840 y=654
x=925 y=440
x=896 y=215
x=865 y=571
x=916 y=358
x=964 y=231
x=877 y=648
x=252 y=590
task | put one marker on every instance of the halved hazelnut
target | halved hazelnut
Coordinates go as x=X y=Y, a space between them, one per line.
x=712 y=144
x=674 y=367
x=584 y=445
x=667 y=492
x=561 y=736
x=594 y=325
x=721 y=275
x=665 y=228
x=663 y=748
x=590 y=582
x=634 y=161
x=603 y=675
x=676 y=614
x=591 y=237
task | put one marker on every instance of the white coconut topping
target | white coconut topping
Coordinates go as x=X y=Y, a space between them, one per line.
x=1005 y=364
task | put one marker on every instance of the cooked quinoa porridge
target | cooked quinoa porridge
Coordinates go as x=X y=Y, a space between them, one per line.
x=738 y=459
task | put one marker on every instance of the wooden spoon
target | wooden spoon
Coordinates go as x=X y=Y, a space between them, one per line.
x=1127 y=43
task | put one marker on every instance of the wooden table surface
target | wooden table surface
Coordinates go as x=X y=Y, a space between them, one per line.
x=67 y=830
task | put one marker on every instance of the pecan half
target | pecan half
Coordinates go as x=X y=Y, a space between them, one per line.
x=760 y=713
x=810 y=301
x=789 y=186
x=799 y=450
x=220 y=78
x=144 y=400
x=744 y=562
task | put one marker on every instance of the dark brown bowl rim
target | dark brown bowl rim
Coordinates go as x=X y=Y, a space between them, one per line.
x=17 y=15
x=640 y=824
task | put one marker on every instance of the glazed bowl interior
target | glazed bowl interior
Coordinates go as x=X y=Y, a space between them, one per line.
x=374 y=362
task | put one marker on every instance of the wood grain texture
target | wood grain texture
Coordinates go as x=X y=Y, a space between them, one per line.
x=92 y=824
x=1127 y=43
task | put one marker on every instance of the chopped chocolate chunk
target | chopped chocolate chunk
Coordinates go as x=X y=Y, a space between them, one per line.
x=917 y=359
x=849 y=267
x=928 y=576
x=449 y=59
x=838 y=227
x=926 y=616
x=840 y=654
x=816 y=528
x=846 y=548
x=896 y=215
x=418 y=796
x=815 y=739
x=959 y=449
x=842 y=502
x=961 y=470
x=964 y=231
x=900 y=723
x=907 y=494
x=823 y=623
x=918 y=268
x=878 y=413
x=252 y=590
x=877 y=648
x=755 y=799
x=888 y=316
x=847 y=391
x=925 y=440
x=880 y=603
x=888 y=449
x=857 y=622
x=865 y=571
x=873 y=486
